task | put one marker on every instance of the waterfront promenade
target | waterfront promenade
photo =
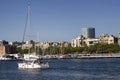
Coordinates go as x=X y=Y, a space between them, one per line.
x=78 y=56
x=61 y=56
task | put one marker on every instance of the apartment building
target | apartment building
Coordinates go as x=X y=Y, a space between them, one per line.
x=108 y=39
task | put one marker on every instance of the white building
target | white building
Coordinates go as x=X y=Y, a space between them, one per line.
x=80 y=41
x=91 y=41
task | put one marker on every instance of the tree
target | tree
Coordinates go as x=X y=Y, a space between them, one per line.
x=19 y=50
x=92 y=49
x=25 y=51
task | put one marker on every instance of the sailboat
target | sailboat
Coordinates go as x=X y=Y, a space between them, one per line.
x=31 y=61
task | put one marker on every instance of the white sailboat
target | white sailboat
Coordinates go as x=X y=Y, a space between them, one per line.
x=31 y=61
x=33 y=64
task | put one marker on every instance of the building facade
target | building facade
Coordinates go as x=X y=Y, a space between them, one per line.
x=78 y=42
x=2 y=50
x=91 y=41
x=119 y=38
x=108 y=39
x=81 y=41
x=7 y=49
x=88 y=32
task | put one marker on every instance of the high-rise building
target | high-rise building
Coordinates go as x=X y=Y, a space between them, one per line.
x=88 y=32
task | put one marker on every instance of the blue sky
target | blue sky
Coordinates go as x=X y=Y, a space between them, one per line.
x=58 y=20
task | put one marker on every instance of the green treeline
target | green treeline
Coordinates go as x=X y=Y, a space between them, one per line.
x=98 y=48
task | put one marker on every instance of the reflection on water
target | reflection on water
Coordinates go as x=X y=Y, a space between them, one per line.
x=65 y=69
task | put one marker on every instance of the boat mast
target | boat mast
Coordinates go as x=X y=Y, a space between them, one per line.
x=26 y=34
x=27 y=24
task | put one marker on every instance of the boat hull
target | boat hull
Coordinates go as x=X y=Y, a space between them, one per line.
x=32 y=65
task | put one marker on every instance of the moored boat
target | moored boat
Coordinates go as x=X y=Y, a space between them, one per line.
x=4 y=58
x=36 y=63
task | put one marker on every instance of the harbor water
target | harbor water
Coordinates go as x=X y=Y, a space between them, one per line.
x=65 y=69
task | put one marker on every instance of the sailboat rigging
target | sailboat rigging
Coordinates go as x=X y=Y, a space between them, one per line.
x=29 y=62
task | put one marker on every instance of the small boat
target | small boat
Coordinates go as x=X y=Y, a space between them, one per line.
x=4 y=58
x=36 y=63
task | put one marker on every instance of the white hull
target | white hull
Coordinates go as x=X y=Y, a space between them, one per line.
x=32 y=65
x=4 y=58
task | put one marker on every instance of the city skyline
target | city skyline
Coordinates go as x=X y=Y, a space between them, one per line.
x=58 y=20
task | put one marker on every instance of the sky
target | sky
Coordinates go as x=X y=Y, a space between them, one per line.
x=58 y=20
